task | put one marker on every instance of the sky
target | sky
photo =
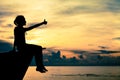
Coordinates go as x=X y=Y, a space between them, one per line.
x=73 y=25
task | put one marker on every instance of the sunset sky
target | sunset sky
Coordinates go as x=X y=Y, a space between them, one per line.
x=72 y=24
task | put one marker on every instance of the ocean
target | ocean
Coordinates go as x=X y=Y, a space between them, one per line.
x=74 y=73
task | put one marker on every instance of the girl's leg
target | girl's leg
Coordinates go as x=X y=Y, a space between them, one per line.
x=37 y=51
x=39 y=60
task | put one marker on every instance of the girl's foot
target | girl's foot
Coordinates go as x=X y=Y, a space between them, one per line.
x=45 y=69
x=40 y=70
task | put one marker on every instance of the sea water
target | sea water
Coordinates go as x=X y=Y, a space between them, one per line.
x=74 y=73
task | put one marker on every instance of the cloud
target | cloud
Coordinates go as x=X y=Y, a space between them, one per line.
x=1 y=21
x=94 y=52
x=91 y=7
x=78 y=51
x=75 y=51
x=107 y=51
x=100 y=30
x=116 y=38
x=9 y=25
x=11 y=37
x=103 y=47
x=6 y=13
x=7 y=9
x=2 y=31
x=5 y=46
x=74 y=10
x=113 y=5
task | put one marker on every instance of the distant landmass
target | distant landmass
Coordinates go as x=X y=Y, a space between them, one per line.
x=94 y=60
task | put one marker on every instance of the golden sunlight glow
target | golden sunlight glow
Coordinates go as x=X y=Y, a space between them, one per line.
x=71 y=24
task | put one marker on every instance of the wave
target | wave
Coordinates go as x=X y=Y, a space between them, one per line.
x=87 y=75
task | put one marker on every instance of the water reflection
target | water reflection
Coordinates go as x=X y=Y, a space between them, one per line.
x=74 y=73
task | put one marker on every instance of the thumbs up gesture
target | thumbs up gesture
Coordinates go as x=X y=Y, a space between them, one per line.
x=44 y=22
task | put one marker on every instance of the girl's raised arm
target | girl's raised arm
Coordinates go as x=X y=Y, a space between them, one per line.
x=36 y=25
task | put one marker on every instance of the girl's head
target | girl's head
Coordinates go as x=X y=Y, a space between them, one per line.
x=20 y=20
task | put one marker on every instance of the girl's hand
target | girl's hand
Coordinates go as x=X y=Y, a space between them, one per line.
x=44 y=22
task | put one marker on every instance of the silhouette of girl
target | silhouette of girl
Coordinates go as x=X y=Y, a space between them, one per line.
x=21 y=45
